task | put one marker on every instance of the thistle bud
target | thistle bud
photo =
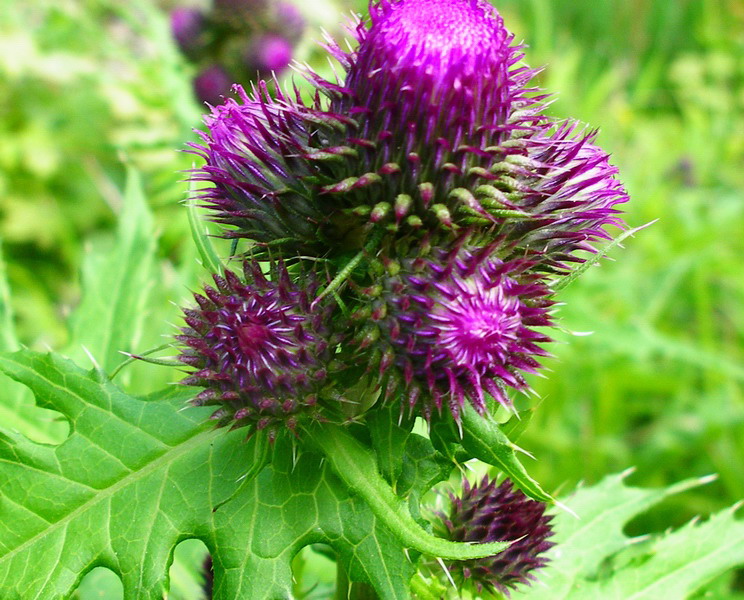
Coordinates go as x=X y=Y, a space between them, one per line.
x=212 y=84
x=463 y=326
x=258 y=349
x=497 y=513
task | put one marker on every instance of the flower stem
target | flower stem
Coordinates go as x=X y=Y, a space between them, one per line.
x=356 y=466
x=421 y=589
x=344 y=273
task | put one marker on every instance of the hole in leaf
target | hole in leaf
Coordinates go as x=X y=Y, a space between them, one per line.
x=187 y=572
x=18 y=412
x=314 y=572
x=99 y=583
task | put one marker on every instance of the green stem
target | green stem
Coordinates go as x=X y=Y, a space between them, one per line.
x=421 y=588
x=356 y=466
x=344 y=273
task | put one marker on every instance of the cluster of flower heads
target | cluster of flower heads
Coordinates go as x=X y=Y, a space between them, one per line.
x=420 y=206
x=496 y=513
x=236 y=40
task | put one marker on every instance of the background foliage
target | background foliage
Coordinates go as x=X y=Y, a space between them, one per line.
x=89 y=85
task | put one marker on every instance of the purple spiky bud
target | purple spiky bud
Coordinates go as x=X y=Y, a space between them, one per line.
x=497 y=513
x=289 y=20
x=461 y=327
x=257 y=348
x=212 y=84
x=268 y=53
x=188 y=27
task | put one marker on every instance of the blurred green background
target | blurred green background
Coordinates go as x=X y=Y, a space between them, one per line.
x=85 y=84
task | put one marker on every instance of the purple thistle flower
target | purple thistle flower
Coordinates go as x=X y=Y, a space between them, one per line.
x=187 y=27
x=267 y=53
x=212 y=84
x=434 y=131
x=457 y=328
x=289 y=20
x=257 y=348
x=497 y=513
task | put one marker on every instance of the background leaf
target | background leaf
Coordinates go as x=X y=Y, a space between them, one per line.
x=593 y=558
x=116 y=285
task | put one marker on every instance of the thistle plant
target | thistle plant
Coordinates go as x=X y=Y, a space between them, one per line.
x=400 y=236
x=414 y=217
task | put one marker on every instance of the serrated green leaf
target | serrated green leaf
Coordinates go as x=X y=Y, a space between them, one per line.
x=483 y=438
x=210 y=261
x=389 y=441
x=677 y=564
x=586 y=561
x=116 y=285
x=136 y=476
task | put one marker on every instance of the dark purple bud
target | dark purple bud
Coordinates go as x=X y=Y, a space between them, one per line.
x=289 y=20
x=497 y=513
x=268 y=53
x=256 y=351
x=187 y=27
x=212 y=85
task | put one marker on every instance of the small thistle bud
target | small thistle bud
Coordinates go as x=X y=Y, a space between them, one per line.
x=258 y=349
x=289 y=20
x=497 y=513
x=212 y=84
x=268 y=53
x=187 y=27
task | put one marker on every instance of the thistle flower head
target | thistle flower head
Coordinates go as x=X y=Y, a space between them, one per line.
x=433 y=130
x=211 y=84
x=267 y=53
x=257 y=348
x=494 y=513
x=187 y=27
x=459 y=327
x=443 y=66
